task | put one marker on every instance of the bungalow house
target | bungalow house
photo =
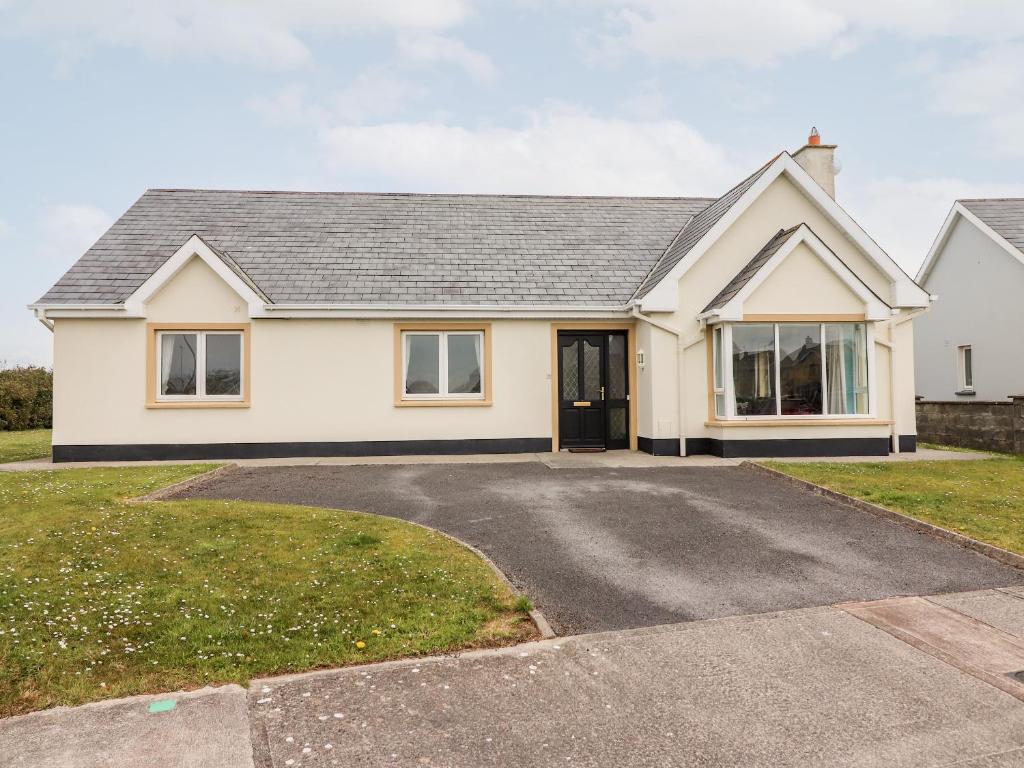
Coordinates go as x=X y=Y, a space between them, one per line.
x=976 y=268
x=220 y=324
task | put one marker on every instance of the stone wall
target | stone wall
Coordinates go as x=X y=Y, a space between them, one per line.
x=986 y=425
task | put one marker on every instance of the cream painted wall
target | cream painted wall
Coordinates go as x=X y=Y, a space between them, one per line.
x=787 y=287
x=658 y=406
x=312 y=380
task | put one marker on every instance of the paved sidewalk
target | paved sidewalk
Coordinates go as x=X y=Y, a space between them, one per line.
x=810 y=687
x=208 y=728
x=560 y=460
x=813 y=687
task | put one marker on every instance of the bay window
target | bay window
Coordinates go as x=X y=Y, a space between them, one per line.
x=790 y=370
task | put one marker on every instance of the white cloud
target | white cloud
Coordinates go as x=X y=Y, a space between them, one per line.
x=904 y=215
x=425 y=48
x=988 y=86
x=373 y=95
x=265 y=32
x=561 y=150
x=761 y=34
x=67 y=231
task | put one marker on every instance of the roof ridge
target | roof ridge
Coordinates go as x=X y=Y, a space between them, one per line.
x=340 y=193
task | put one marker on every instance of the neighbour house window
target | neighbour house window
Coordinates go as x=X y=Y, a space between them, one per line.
x=784 y=370
x=965 y=368
x=199 y=365
x=443 y=365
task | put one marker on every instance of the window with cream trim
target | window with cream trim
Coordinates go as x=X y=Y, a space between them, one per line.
x=965 y=368
x=790 y=370
x=443 y=365
x=203 y=366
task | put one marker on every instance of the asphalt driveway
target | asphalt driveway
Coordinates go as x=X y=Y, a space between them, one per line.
x=600 y=549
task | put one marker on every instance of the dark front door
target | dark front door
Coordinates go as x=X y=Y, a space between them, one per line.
x=593 y=386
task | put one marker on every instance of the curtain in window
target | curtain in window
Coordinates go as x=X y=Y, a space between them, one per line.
x=464 y=363
x=178 y=364
x=846 y=368
x=422 y=374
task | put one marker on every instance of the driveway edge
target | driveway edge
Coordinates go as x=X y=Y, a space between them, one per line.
x=999 y=554
x=546 y=632
x=162 y=494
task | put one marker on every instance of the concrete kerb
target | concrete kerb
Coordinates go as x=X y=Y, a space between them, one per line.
x=989 y=550
x=536 y=616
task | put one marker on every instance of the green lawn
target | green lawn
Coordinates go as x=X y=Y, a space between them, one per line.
x=983 y=499
x=102 y=598
x=26 y=444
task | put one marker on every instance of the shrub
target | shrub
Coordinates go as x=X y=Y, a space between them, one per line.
x=26 y=397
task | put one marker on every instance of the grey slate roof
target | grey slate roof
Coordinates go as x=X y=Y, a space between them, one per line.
x=696 y=228
x=354 y=248
x=752 y=268
x=1004 y=215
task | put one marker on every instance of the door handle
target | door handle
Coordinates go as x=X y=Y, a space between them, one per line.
x=602 y=393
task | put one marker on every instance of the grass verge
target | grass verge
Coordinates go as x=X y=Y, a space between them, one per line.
x=100 y=597
x=24 y=444
x=982 y=499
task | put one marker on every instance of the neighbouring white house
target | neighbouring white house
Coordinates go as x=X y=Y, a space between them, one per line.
x=969 y=347
x=225 y=324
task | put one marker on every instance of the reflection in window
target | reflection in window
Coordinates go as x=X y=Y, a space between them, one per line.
x=223 y=364
x=800 y=369
x=753 y=369
x=179 y=360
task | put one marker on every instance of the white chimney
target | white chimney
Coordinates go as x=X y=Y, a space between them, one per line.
x=819 y=160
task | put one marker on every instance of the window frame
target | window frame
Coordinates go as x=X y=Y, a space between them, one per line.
x=728 y=390
x=963 y=385
x=442 y=397
x=155 y=334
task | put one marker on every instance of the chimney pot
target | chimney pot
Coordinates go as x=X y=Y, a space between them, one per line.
x=814 y=139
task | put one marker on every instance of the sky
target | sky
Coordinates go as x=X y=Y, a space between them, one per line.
x=101 y=100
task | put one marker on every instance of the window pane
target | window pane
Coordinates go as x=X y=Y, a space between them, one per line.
x=591 y=371
x=753 y=369
x=464 y=363
x=422 y=376
x=719 y=405
x=846 y=368
x=616 y=367
x=719 y=375
x=800 y=368
x=968 y=367
x=224 y=364
x=617 y=424
x=570 y=371
x=178 y=364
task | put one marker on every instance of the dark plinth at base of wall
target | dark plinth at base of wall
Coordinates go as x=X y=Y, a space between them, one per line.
x=824 y=447
x=658 y=446
x=204 y=451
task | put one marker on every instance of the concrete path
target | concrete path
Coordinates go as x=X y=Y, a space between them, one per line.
x=809 y=687
x=814 y=687
x=204 y=729
x=615 y=548
x=561 y=460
